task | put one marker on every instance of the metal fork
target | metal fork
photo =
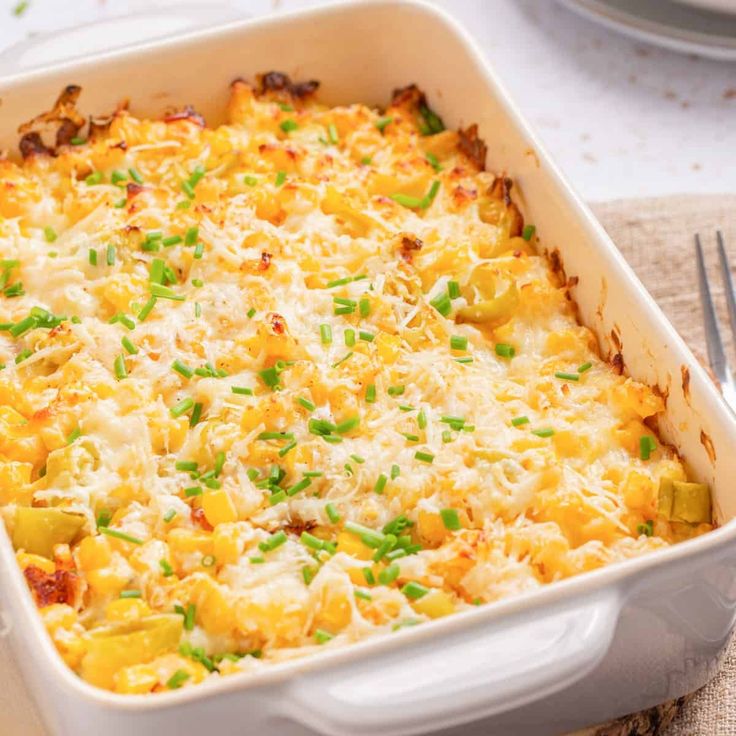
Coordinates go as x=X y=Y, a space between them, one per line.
x=716 y=352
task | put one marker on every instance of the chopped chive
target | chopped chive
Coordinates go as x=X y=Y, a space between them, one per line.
x=274 y=541
x=242 y=390
x=280 y=178
x=309 y=540
x=647 y=528
x=347 y=425
x=120 y=203
x=187 y=465
x=198 y=251
x=171 y=240
x=343 y=359
x=325 y=334
x=119 y=368
x=119 y=535
x=166 y=568
x=50 y=234
x=453 y=289
x=250 y=181
x=647 y=446
x=322 y=637
x=332 y=513
x=277 y=497
x=380 y=484
x=128 y=345
x=528 y=232
x=410 y=437
x=189 y=616
x=349 y=336
x=425 y=457
x=366 y=336
x=422 y=419
x=414 y=590
x=363 y=594
x=147 y=308
x=191 y=235
x=288 y=125
x=195 y=415
x=389 y=575
x=395 y=472
x=250 y=313
x=182 y=368
x=368 y=575
x=364 y=306
x=94 y=178
x=164 y=292
x=396 y=390
x=543 y=432
x=450 y=519
x=118 y=176
x=358 y=459
x=182 y=407
x=77 y=141
x=177 y=679
x=446 y=436
x=110 y=255
x=257 y=560
x=197 y=309
x=442 y=303
x=198 y=283
x=366 y=160
x=188 y=189
x=275 y=436
x=20 y=328
x=332 y=134
x=313 y=474
x=369 y=536
x=23 y=355
x=208 y=560
x=584 y=367
x=131 y=594
x=458 y=342
x=135 y=176
x=370 y=393
x=433 y=161
x=270 y=376
x=306 y=403
x=505 y=350
x=73 y=435
x=92 y=257
x=169 y=515
x=286 y=449
x=383 y=122
x=518 y=421
x=388 y=543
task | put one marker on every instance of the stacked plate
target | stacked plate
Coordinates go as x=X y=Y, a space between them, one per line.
x=703 y=27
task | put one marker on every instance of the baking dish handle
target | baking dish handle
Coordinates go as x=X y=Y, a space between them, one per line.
x=111 y=34
x=489 y=668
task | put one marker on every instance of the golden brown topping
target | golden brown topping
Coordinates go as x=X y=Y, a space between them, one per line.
x=187 y=113
x=473 y=146
x=60 y=586
x=280 y=84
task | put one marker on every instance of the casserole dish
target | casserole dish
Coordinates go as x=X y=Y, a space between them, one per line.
x=530 y=652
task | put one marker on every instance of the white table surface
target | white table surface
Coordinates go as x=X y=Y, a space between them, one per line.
x=623 y=119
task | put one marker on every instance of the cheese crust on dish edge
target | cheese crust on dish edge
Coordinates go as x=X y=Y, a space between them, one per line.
x=294 y=381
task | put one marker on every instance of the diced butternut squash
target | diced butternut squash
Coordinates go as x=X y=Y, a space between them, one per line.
x=434 y=604
x=218 y=507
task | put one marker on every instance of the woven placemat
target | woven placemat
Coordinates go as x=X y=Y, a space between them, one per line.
x=655 y=235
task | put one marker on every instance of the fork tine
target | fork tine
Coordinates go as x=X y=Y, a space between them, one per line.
x=727 y=282
x=716 y=353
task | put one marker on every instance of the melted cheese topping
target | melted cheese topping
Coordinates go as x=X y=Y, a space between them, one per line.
x=358 y=292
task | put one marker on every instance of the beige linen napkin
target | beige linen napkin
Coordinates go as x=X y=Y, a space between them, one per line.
x=655 y=235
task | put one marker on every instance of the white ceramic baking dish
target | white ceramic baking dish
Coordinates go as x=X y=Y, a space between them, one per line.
x=577 y=652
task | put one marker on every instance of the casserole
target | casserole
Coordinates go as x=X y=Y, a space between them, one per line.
x=541 y=643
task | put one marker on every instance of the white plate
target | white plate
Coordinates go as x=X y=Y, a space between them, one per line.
x=673 y=25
